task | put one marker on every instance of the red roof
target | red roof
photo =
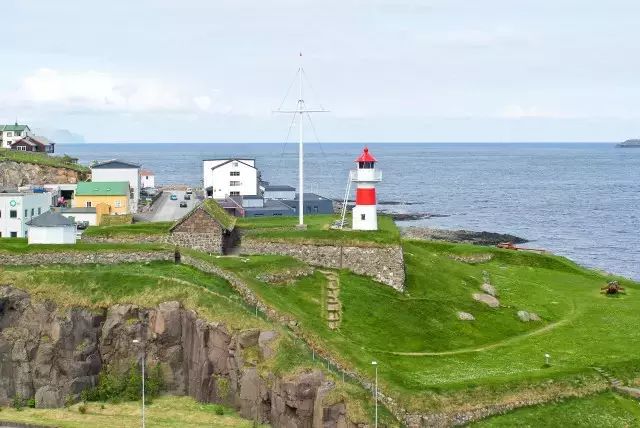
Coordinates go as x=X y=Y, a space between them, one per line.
x=366 y=156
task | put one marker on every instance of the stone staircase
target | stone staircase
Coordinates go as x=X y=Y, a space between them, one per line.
x=617 y=385
x=333 y=305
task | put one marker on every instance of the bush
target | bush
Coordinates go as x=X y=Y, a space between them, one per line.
x=31 y=403
x=82 y=409
x=18 y=402
x=219 y=410
x=127 y=386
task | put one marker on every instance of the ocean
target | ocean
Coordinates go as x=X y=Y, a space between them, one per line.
x=581 y=201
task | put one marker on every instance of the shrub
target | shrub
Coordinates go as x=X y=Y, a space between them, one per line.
x=219 y=410
x=18 y=402
x=127 y=386
x=31 y=403
x=82 y=409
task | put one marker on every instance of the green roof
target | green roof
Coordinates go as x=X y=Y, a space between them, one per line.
x=14 y=127
x=212 y=208
x=103 y=188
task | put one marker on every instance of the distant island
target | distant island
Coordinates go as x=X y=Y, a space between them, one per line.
x=630 y=143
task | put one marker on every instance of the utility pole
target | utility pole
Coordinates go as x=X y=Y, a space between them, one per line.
x=375 y=394
x=137 y=341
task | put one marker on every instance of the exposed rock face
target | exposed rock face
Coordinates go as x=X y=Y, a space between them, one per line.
x=52 y=357
x=14 y=174
x=384 y=264
x=487 y=299
x=464 y=236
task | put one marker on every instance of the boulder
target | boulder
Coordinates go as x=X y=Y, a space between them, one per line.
x=524 y=316
x=465 y=316
x=489 y=289
x=487 y=299
x=265 y=343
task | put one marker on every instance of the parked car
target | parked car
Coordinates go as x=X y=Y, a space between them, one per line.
x=189 y=190
x=81 y=225
x=187 y=197
x=174 y=197
x=183 y=204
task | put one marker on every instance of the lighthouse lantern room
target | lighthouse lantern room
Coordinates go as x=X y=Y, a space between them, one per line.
x=364 y=213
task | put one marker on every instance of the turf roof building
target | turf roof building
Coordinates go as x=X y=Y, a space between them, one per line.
x=51 y=228
x=207 y=227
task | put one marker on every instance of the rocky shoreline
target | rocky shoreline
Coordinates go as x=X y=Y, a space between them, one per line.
x=460 y=236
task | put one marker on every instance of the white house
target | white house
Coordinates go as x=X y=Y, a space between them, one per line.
x=230 y=177
x=78 y=214
x=16 y=208
x=147 y=179
x=51 y=228
x=9 y=134
x=117 y=170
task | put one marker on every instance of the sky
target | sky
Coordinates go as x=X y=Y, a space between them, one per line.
x=388 y=70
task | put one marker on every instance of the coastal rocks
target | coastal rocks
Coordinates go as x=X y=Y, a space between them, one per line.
x=53 y=356
x=487 y=299
x=525 y=316
x=16 y=174
x=461 y=236
x=384 y=264
x=465 y=316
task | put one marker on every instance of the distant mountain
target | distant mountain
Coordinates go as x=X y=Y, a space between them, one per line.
x=61 y=136
x=630 y=143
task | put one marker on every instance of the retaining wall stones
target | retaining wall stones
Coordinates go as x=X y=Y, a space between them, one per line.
x=78 y=257
x=384 y=264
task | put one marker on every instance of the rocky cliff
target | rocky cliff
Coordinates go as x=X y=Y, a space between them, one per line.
x=53 y=356
x=14 y=174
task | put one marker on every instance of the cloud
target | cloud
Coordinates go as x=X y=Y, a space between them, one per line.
x=515 y=111
x=96 y=91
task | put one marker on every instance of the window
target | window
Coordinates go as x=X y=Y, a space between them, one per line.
x=88 y=204
x=33 y=211
x=39 y=211
x=13 y=234
x=234 y=173
x=118 y=204
x=362 y=216
x=234 y=193
x=235 y=163
x=234 y=183
x=18 y=133
x=277 y=214
x=10 y=134
x=13 y=214
x=315 y=209
x=26 y=213
x=21 y=148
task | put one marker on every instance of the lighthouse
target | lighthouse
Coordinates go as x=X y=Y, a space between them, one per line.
x=365 y=176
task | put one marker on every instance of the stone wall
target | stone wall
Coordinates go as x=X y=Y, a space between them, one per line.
x=127 y=239
x=200 y=232
x=53 y=356
x=384 y=264
x=79 y=257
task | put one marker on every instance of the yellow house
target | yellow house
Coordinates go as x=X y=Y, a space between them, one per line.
x=113 y=194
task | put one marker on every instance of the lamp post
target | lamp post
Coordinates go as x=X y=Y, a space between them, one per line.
x=137 y=341
x=375 y=394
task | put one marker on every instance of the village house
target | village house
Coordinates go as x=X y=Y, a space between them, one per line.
x=12 y=133
x=113 y=194
x=118 y=170
x=91 y=215
x=51 y=228
x=33 y=144
x=147 y=179
x=230 y=177
x=18 y=207
x=208 y=227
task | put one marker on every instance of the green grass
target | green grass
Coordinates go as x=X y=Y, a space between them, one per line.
x=166 y=412
x=132 y=230
x=602 y=410
x=41 y=159
x=318 y=231
x=431 y=360
x=20 y=246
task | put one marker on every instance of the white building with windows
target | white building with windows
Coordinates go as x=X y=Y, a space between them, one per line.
x=230 y=177
x=147 y=179
x=9 y=134
x=16 y=208
x=118 y=170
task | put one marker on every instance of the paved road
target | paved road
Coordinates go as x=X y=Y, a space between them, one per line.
x=167 y=210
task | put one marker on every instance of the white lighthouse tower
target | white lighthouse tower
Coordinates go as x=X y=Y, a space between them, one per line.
x=365 y=216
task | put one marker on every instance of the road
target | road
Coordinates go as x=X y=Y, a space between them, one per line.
x=167 y=210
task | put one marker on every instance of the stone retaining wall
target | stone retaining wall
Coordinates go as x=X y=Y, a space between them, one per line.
x=130 y=239
x=78 y=257
x=384 y=264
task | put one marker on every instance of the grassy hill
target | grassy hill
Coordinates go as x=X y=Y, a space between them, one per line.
x=41 y=159
x=429 y=360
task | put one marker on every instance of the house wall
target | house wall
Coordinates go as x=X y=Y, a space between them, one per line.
x=147 y=181
x=38 y=202
x=132 y=175
x=199 y=232
x=279 y=194
x=92 y=218
x=220 y=178
x=81 y=201
x=7 y=140
x=52 y=235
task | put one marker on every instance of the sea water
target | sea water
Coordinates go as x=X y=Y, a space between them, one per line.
x=577 y=200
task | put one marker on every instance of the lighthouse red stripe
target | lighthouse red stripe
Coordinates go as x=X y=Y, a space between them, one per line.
x=366 y=196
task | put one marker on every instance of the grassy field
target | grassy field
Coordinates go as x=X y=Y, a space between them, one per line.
x=41 y=159
x=165 y=411
x=602 y=410
x=129 y=230
x=20 y=245
x=318 y=230
x=431 y=360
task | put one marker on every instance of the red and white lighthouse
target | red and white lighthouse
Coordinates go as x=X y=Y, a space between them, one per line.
x=365 y=216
